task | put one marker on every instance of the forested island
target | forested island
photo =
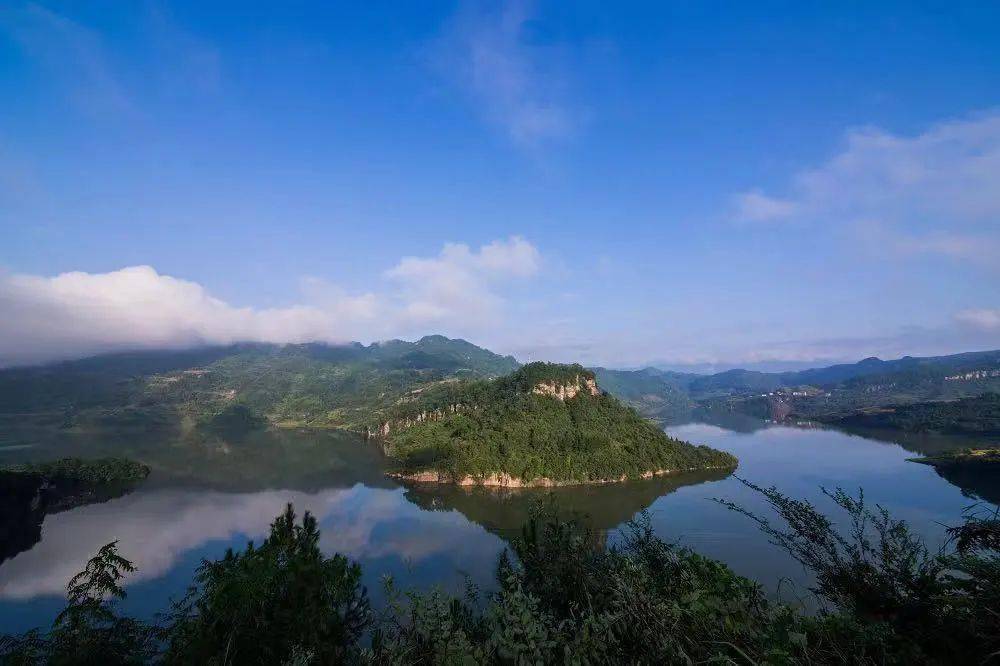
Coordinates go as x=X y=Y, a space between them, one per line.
x=544 y=424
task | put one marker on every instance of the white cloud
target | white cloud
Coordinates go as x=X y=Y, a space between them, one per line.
x=982 y=319
x=458 y=283
x=514 y=82
x=77 y=314
x=937 y=192
x=758 y=207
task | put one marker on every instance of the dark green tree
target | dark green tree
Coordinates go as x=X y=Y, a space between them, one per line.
x=281 y=601
x=89 y=630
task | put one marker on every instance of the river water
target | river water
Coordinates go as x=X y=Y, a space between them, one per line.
x=208 y=494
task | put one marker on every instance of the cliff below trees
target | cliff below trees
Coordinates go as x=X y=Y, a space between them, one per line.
x=412 y=410
x=542 y=425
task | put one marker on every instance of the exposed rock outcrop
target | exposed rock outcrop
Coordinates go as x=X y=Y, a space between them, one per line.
x=567 y=390
x=395 y=425
x=558 y=390
x=503 y=480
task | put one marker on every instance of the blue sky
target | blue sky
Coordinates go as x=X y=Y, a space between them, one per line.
x=691 y=184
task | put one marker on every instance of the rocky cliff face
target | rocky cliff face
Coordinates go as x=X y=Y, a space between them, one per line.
x=560 y=390
x=504 y=480
x=395 y=425
x=567 y=390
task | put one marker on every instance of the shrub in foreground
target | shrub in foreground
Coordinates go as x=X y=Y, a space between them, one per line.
x=564 y=596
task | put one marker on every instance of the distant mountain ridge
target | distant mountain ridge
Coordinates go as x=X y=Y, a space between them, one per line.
x=306 y=384
x=322 y=385
x=841 y=388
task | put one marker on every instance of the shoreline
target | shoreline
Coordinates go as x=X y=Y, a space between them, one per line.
x=504 y=480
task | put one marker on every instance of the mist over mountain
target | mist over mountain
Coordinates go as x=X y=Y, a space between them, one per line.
x=323 y=385
x=714 y=368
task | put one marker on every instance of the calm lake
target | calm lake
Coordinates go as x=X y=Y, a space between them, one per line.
x=206 y=495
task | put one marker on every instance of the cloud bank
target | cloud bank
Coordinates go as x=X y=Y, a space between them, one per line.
x=936 y=193
x=77 y=314
x=983 y=319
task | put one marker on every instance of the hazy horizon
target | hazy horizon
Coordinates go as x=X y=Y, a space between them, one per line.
x=775 y=366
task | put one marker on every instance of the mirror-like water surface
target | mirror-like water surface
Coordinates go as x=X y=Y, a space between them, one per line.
x=208 y=494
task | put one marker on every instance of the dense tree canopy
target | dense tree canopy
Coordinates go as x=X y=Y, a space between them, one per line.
x=502 y=426
x=977 y=415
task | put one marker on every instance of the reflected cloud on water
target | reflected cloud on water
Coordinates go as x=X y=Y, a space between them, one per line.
x=156 y=529
x=198 y=502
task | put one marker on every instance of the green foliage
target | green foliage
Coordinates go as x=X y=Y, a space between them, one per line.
x=89 y=473
x=655 y=394
x=879 y=569
x=277 y=602
x=89 y=630
x=307 y=385
x=563 y=596
x=235 y=418
x=978 y=415
x=528 y=376
x=836 y=393
x=931 y=607
x=979 y=533
x=501 y=426
x=568 y=599
x=985 y=460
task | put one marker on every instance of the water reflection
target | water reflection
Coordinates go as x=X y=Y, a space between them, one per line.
x=25 y=501
x=303 y=460
x=208 y=493
x=799 y=462
x=604 y=507
x=976 y=484
x=155 y=529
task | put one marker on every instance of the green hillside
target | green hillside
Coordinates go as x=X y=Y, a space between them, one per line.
x=655 y=394
x=830 y=393
x=320 y=385
x=976 y=416
x=307 y=385
x=544 y=421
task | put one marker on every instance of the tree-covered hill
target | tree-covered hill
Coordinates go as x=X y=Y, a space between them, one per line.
x=819 y=393
x=309 y=384
x=976 y=416
x=320 y=385
x=544 y=423
x=656 y=394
